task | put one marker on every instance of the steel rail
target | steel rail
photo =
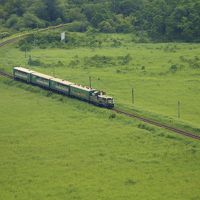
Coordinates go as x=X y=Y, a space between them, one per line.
x=5 y=74
x=158 y=124
x=11 y=40
x=146 y=120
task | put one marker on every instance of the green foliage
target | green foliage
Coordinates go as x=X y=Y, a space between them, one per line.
x=100 y=61
x=25 y=47
x=33 y=62
x=125 y=60
x=106 y=27
x=12 y=21
x=192 y=63
x=158 y=20
x=32 y=21
x=112 y=116
x=4 y=34
x=42 y=40
x=78 y=26
x=146 y=127
x=173 y=68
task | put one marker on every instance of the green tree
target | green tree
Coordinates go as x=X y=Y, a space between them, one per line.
x=106 y=27
x=32 y=21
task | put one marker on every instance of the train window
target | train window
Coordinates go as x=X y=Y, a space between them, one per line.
x=110 y=100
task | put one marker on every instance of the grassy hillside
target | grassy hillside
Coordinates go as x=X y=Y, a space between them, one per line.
x=161 y=74
x=59 y=148
x=55 y=147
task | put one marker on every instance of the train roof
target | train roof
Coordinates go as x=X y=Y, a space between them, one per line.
x=105 y=96
x=42 y=75
x=88 y=89
x=23 y=69
x=64 y=82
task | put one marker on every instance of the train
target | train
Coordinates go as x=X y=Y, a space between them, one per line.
x=64 y=87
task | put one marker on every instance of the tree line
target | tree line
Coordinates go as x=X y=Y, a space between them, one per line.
x=159 y=20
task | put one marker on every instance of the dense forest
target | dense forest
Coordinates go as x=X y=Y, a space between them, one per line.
x=159 y=20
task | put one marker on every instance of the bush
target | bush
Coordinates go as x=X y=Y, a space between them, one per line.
x=106 y=27
x=112 y=116
x=12 y=21
x=99 y=61
x=116 y=43
x=146 y=127
x=143 y=68
x=31 y=21
x=34 y=62
x=25 y=47
x=143 y=37
x=78 y=26
x=173 y=68
x=124 y=60
x=43 y=40
x=170 y=48
x=4 y=34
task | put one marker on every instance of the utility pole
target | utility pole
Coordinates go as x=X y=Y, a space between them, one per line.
x=30 y=60
x=90 y=81
x=53 y=71
x=133 y=96
x=34 y=41
x=25 y=52
x=179 y=109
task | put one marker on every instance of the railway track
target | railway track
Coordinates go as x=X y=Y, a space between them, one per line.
x=5 y=74
x=158 y=124
x=8 y=41
x=11 y=40
x=144 y=119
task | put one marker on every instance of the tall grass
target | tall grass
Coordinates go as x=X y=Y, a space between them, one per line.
x=60 y=148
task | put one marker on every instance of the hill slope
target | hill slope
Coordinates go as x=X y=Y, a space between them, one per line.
x=156 y=19
x=56 y=148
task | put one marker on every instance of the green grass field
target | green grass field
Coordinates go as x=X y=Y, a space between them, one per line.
x=161 y=74
x=54 y=147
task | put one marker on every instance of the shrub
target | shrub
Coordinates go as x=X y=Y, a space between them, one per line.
x=142 y=37
x=12 y=21
x=130 y=182
x=4 y=34
x=25 y=47
x=143 y=68
x=34 y=62
x=32 y=21
x=146 y=127
x=118 y=71
x=116 y=43
x=112 y=116
x=77 y=26
x=106 y=27
x=73 y=63
x=60 y=63
x=99 y=61
x=173 y=68
x=124 y=60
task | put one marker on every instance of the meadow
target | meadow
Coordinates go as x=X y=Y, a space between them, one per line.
x=60 y=148
x=54 y=147
x=161 y=74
